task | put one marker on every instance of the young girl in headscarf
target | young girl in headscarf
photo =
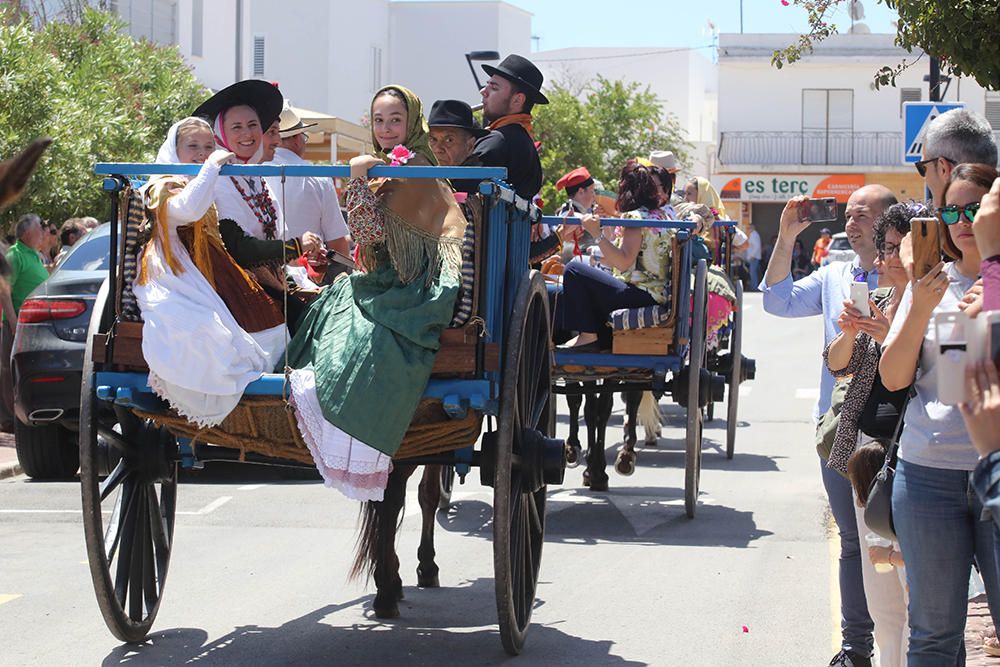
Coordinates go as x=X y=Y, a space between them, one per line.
x=365 y=348
x=200 y=310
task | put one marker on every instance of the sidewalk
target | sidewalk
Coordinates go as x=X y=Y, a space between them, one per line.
x=8 y=457
x=979 y=621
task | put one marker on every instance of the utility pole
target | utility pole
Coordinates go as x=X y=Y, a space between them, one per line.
x=239 y=40
x=741 y=17
x=934 y=81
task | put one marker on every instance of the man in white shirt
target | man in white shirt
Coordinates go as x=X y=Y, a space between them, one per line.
x=309 y=203
x=753 y=252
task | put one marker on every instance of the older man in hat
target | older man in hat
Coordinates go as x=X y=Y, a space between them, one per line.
x=513 y=89
x=453 y=132
x=310 y=203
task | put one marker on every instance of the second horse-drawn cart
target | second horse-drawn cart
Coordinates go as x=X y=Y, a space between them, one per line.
x=490 y=385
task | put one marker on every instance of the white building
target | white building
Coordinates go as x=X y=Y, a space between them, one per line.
x=684 y=81
x=818 y=125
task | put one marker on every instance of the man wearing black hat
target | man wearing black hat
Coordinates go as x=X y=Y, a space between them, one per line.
x=514 y=87
x=453 y=131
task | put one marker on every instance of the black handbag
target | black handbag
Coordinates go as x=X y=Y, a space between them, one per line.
x=878 y=508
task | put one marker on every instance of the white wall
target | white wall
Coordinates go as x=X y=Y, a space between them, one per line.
x=216 y=67
x=354 y=29
x=430 y=40
x=755 y=96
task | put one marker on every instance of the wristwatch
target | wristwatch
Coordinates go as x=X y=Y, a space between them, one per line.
x=600 y=238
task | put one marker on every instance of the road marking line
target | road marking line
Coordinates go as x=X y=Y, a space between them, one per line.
x=807 y=392
x=7 y=597
x=209 y=508
x=834 y=545
x=250 y=487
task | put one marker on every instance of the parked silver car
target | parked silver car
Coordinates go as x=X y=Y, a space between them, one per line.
x=840 y=250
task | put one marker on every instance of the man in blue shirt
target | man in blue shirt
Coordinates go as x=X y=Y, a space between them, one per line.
x=823 y=292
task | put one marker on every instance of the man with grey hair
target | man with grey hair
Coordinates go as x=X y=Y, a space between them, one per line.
x=26 y=273
x=823 y=292
x=954 y=137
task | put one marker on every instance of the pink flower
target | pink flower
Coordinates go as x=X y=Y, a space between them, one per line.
x=784 y=3
x=400 y=155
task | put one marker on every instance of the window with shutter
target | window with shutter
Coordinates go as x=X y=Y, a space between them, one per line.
x=993 y=108
x=908 y=95
x=258 y=55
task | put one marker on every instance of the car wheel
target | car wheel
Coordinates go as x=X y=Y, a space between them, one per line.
x=46 y=452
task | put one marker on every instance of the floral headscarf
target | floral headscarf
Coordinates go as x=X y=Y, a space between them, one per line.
x=417 y=131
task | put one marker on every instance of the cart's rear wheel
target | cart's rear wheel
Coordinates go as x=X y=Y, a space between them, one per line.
x=447 y=481
x=736 y=363
x=128 y=516
x=518 y=496
x=696 y=360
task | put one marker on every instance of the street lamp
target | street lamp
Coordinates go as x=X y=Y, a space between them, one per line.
x=479 y=55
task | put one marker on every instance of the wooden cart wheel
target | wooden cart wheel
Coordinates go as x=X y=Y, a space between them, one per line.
x=447 y=482
x=519 y=509
x=128 y=516
x=696 y=360
x=736 y=360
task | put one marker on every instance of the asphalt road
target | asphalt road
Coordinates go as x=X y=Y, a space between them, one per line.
x=259 y=571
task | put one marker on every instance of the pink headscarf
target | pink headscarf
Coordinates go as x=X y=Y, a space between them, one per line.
x=223 y=141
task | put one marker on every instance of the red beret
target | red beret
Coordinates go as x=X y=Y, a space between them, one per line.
x=576 y=177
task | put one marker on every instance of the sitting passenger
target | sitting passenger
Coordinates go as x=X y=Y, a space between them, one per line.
x=366 y=346
x=250 y=221
x=641 y=261
x=188 y=284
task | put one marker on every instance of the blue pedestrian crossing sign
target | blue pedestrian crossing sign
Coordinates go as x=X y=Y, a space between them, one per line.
x=916 y=117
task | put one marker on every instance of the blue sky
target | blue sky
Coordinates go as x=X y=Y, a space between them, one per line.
x=672 y=23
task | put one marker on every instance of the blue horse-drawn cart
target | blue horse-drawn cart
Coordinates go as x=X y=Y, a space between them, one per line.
x=496 y=371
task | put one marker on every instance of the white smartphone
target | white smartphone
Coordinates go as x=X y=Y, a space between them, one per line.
x=859 y=296
x=951 y=339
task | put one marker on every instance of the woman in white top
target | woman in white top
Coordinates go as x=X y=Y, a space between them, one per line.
x=208 y=328
x=937 y=515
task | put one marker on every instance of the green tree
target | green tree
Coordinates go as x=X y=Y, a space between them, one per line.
x=600 y=126
x=101 y=95
x=961 y=33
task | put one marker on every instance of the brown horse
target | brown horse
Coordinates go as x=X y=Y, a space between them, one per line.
x=380 y=520
x=15 y=172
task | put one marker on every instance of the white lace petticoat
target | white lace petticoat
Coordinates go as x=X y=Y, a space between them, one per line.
x=358 y=471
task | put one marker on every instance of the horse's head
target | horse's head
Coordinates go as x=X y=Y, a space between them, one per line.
x=14 y=173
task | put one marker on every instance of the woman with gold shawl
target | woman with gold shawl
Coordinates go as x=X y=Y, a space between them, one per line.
x=208 y=328
x=365 y=347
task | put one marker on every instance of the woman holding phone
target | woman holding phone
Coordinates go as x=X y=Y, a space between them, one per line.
x=937 y=515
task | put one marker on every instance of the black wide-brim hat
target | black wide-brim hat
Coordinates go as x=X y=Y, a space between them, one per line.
x=455 y=113
x=263 y=97
x=523 y=72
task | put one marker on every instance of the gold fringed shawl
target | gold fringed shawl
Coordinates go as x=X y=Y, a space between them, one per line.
x=206 y=232
x=424 y=226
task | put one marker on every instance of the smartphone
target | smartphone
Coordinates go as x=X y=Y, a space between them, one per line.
x=951 y=337
x=819 y=210
x=924 y=233
x=859 y=295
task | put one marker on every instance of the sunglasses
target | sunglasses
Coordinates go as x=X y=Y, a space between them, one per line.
x=952 y=214
x=922 y=165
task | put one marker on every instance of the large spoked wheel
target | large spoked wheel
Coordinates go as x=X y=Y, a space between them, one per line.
x=128 y=515
x=696 y=360
x=518 y=494
x=446 y=478
x=735 y=373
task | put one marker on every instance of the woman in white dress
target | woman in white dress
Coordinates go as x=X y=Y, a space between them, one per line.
x=208 y=328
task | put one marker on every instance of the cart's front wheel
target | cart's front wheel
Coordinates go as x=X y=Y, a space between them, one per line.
x=696 y=360
x=735 y=373
x=518 y=491
x=128 y=515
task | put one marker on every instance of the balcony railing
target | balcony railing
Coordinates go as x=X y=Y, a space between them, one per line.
x=811 y=147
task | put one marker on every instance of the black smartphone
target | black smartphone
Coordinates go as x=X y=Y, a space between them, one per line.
x=819 y=210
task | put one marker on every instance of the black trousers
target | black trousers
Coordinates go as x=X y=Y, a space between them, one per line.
x=589 y=296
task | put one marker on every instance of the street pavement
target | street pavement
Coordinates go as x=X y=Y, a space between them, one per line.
x=259 y=568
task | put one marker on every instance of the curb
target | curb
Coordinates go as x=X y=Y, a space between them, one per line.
x=12 y=469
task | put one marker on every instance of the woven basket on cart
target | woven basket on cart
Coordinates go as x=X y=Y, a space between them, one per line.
x=266 y=425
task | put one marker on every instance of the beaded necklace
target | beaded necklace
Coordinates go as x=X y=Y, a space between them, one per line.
x=261 y=205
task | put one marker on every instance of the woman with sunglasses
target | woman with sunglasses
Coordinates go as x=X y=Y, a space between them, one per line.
x=937 y=516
